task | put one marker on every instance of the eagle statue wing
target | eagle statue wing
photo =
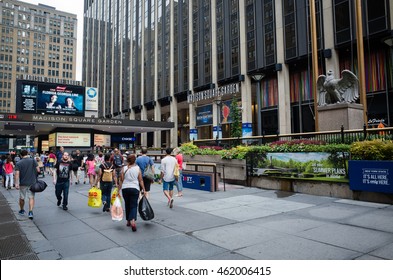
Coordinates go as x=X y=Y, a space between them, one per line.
x=321 y=90
x=348 y=86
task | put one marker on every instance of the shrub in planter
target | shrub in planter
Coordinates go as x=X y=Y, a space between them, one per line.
x=372 y=150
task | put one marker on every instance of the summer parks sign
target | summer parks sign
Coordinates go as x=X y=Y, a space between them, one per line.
x=302 y=165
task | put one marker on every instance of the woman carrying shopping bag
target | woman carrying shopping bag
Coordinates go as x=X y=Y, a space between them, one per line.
x=131 y=183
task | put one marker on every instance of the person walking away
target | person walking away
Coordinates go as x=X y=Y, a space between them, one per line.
x=131 y=184
x=8 y=170
x=41 y=166
x=52 y=162
x=26 y=171
x=143 y=161
x=107 y=175
x=78 y=160
x=167 y=175
x=90 y=168
x=179 y=181
x=117 y=160
x=61 y=180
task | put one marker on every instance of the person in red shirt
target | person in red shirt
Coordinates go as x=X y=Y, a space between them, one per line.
x=8 y=168
x=179 y=182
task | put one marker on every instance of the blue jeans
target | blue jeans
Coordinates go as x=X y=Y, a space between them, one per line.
x=168 y=186
x=179 y=182
x=130 y=196
x=106 y=189
x=62 y=187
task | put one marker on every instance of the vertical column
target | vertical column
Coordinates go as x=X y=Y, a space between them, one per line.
x=142 y=54
x=246 y=93
x=173 y=106
x=157 y=108
x=332 y=63
x=284 y=102
x=216 y=111
x=191 y=107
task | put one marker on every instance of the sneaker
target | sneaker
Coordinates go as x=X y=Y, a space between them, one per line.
x=30 y=215
x=65 y=208
x=21 y=212
x=171 y=203
x=104 y=208
x=59 y=202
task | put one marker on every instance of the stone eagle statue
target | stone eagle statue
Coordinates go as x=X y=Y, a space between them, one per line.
x=331 y=90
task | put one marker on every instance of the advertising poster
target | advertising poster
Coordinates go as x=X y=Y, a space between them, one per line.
x=52 y=140
x=371 y=176
x=73 y=139
x=246 y=129
x=215 y=135
x=91 y=99
x=49 y=98
x=102 y=140
x=193 y=134
x=320 y=166
x=204 y=115
x=44 y=146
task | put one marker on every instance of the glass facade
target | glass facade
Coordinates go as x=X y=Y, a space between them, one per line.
x=156 y=52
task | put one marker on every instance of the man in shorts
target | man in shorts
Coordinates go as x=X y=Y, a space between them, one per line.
x=26 y=171
x=167 y=175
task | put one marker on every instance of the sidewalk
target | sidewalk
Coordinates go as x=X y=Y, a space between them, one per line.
x=241 y=224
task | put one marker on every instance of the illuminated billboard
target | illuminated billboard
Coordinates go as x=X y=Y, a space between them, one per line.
x=49 y=98
x=73 y=139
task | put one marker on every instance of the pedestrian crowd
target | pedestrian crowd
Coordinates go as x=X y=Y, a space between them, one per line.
x=127 y=173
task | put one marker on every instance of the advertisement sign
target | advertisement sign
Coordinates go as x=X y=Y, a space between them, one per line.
x=73 y=139
x=193 y=134
x=102 y=140
x=321 y=166
x=44 y=146
x=123 y=139
x=91 y=99
x=52 y=140
x=246 y=129
x=48 y=98
x=204 y=115
x=369 y=175
x=215 y=135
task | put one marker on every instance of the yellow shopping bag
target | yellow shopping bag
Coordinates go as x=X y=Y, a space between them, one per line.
x=115 y=191
x=94 y=197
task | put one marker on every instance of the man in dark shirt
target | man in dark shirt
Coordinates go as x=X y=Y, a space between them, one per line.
x=77 y=160
x=61 y=179
x=26 y=171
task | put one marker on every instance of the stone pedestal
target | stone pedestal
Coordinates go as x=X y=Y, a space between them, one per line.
x=332 y=116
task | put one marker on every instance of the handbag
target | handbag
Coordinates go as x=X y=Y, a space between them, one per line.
x=117 y=210
x=144 y=209
x=38 y=186
x=148 y=173
x=176 y=171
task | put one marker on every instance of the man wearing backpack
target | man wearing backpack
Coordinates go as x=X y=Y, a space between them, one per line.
x=144 y=162
x=106 y=175
x=117 y=161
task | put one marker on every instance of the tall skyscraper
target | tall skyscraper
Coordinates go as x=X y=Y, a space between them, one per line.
x=37 y=41
x=184 y=61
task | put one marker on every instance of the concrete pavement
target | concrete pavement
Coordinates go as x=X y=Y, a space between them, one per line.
x=241 y=223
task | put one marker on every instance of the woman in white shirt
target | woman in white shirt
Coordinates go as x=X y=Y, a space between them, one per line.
x=131 y=183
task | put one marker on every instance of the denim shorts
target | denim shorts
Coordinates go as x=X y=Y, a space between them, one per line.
x=168 y=186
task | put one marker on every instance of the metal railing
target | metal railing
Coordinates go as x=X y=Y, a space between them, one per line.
x=330 y=137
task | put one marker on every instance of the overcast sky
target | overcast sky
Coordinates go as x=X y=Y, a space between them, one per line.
x=73 y=7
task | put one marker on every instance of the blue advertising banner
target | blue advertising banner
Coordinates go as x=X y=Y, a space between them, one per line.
x=215 y=135
x=193 y=134
x=204 y=115
x=198 y=181
x=371 y=176
x=246 y=129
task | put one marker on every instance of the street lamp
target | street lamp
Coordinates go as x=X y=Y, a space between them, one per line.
x=218 y=103
x=258 y=78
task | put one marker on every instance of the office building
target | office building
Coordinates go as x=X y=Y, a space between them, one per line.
x=184 y=61
x=37 y=42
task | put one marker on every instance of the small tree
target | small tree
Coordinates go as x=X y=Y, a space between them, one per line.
x=236 y=127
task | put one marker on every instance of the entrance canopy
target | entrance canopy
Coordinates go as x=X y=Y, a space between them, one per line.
x=35 y=124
